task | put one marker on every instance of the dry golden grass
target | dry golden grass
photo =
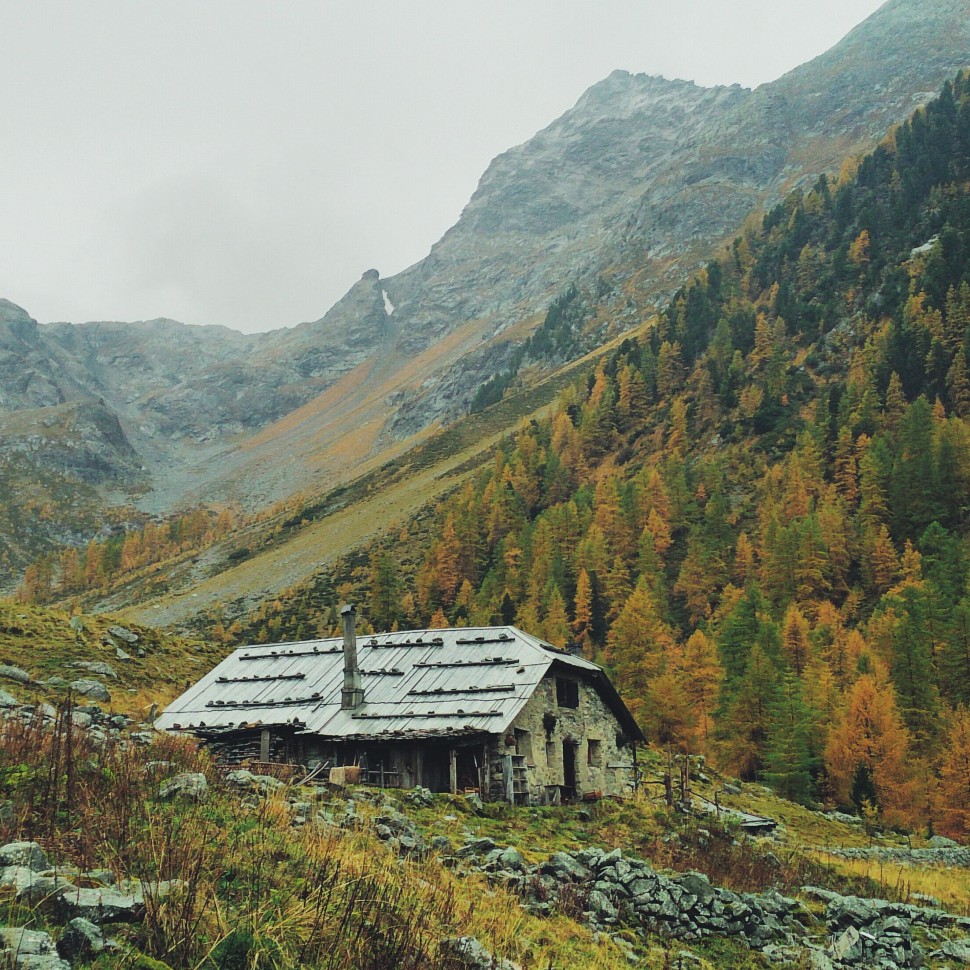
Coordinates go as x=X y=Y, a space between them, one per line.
x=321 y=404
x=948 y=884
x=42 y=642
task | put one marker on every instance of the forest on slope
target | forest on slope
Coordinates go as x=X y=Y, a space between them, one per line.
x=757 y=517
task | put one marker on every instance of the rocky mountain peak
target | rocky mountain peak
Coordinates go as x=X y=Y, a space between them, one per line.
x=15 y=323
x=625 y=193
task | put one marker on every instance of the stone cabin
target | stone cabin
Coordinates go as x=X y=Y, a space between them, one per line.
x=489 y=709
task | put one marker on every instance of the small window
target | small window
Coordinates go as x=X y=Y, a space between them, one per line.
x=567 y=692
x=594 y=753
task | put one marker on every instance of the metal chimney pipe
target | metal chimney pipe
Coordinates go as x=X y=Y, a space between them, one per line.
x=352 y=695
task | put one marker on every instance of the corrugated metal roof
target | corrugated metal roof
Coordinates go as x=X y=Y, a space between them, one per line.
x=453 y=681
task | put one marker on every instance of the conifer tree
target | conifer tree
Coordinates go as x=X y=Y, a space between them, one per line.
x=955 y=777
x=789 y=761
x=582 y=625
x=747 y=723
x=869 y=735
x=638 y=645
x=795 y=639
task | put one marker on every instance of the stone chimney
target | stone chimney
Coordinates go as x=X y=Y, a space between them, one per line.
x=352 y=695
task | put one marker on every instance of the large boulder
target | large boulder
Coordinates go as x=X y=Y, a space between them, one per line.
x=80 y=940
x=467 y=953
x=30 y=886
x=94 y=689
x=122 y=633
x=563 y=866
x=956 y=950
x=28 y=854
x=98 y=667
x=14 y=673
x=189 y=784
x=101 y=906
x=29 y=950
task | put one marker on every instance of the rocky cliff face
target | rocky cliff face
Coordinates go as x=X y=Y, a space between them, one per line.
x=644 y=176
x=623 y=195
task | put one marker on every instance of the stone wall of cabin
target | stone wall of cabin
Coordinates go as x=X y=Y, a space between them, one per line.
x=590 y=726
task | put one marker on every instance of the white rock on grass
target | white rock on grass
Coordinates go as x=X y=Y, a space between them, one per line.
x=30 y=950
x=93 y=689
x=28 y=854
x=192 y=784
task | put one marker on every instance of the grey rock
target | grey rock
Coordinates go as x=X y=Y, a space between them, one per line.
x=852 y=911
x=81 y=719
x=191 y=784
x=7 y=699
x=512 y=859
x=476 y=847
x=267 y=783
x=31 y=949
x=122 y=633
x=241 y=778
x=468 y=953
x=98 y=667
x=958 y=950
x=121 y=654
x=642 y=886
x=600 y=906
x=697 y=885
x=475 y=802
x=817 y=960
x=89 y=687
x=101 y=906
x=817 y=892
x=28 y=854
x=421 y=797
x=80 y=940
x=562 y=865
x=842 y=817
x=10 y=672
x=158 y=889
x=104 y=876
x=730 y=789
x=30 y=886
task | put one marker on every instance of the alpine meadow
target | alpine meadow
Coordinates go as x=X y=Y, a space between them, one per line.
x=658 y=465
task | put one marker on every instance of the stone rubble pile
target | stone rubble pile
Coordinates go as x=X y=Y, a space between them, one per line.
x=613 y=890
x=83 y=910
x=940 y=851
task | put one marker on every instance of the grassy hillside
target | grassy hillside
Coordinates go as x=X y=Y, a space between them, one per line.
x=51 y=644
x=227 y=569
x=757 y=516
x=256 y=873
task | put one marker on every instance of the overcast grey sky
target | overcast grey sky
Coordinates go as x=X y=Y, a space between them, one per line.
x=242 y=162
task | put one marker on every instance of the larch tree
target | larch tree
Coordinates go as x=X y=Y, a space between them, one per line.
x=638 y=645
x=582 y=625
x=869 y=738
x=954 y=770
